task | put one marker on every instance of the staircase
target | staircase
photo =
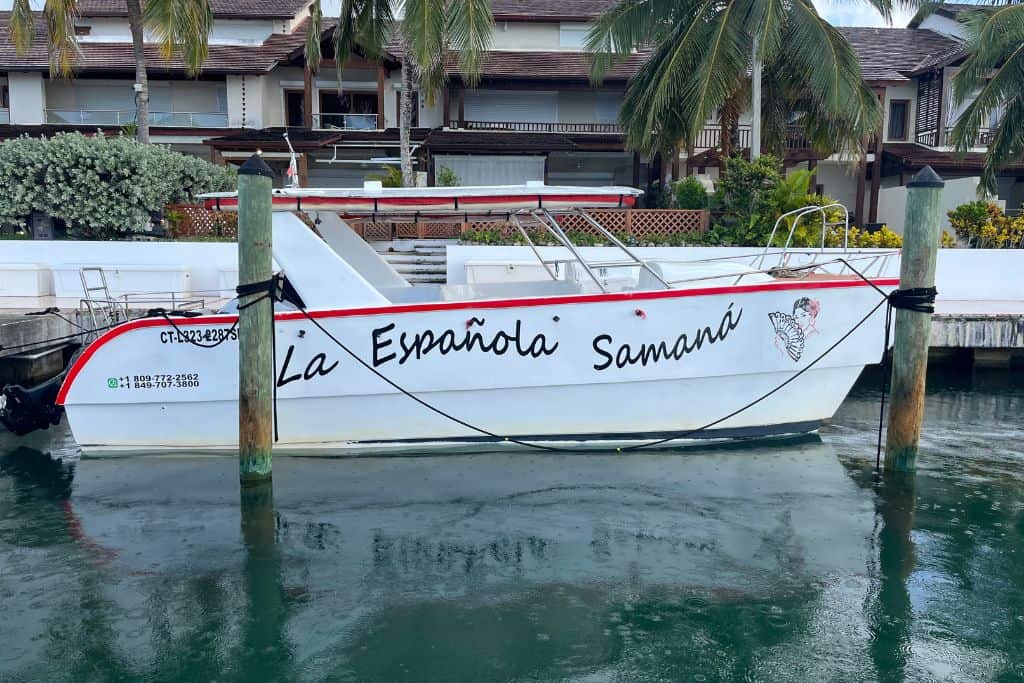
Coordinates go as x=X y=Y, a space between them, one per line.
x=420 y=262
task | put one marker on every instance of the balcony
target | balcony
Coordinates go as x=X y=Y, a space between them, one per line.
x=538 y=126
x=710 y=137
x=342 y=121
x=162 y=119
x=944 y=138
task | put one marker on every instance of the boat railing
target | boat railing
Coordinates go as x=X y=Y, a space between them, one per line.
x=789 y=260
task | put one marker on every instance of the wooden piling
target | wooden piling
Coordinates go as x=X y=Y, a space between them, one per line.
x=255 y=323
x=921 y=233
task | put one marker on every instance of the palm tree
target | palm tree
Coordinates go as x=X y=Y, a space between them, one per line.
x=430 y=32
x=181 y=27
x=703 y=54
x=993 y=74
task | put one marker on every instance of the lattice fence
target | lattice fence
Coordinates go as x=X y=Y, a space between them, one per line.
x=189 y=220
x=643 y=224
x=195 y=220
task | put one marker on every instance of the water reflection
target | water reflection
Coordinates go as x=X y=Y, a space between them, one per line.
x=766 y=563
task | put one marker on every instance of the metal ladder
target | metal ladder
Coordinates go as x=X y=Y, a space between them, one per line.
x=103 y=310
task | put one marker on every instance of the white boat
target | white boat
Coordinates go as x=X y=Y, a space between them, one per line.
x=598 y=354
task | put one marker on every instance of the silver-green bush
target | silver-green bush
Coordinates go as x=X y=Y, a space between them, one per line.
x=100 y=187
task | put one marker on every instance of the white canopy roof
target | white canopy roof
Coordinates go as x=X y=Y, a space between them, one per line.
x=374 y=199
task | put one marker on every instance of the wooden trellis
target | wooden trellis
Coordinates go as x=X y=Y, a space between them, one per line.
x=194 y=220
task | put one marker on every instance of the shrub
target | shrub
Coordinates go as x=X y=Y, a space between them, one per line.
x=745 y=195
x=391 y=177
x=689 y=193
x=446 y=177
x=983 y=225
x=99 y=187
x=862 y=239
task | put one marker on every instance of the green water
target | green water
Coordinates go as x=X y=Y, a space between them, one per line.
x=767 y=562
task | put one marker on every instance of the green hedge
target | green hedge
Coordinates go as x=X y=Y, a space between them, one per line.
x=100 y=187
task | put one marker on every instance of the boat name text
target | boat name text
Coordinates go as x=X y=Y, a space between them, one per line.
x=318 y=366
x=658 y=351
x=416 y=345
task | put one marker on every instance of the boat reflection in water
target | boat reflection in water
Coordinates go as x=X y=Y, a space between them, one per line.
x=462 y=567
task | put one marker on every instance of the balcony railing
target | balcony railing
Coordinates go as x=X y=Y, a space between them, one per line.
x=113 y=117
x=710 y=137
x=537 y=126
x=346 y=121
x=944 y=138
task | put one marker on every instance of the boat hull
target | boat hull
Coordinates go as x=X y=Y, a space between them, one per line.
x=574 y=371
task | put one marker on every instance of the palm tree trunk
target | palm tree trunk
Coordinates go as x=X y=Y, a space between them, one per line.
x=405 y=123
x=141 y=81
x=755 y=101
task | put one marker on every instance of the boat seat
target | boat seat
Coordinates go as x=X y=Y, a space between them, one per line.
x=699 y=274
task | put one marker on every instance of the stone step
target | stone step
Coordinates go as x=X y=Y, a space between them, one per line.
x=395 y=259
x=422 y=268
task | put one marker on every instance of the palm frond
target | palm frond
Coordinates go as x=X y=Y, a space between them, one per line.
x=424 y=26
x=766 y=20
x=992 y=35
x=823 y=68
x=362 y=24
x=314 y=34
x=1006 y=145
x=181 y=27
x=710 y=82
x=22 y=26
x=640 y=118
x=470 y=25
x=631 y=25
x=63 y=42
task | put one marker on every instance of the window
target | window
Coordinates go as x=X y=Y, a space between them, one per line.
x=349 y=110
x=82 y=30
x=572 y=36
x=899 y=118
x=5 y=97
x=294 y=108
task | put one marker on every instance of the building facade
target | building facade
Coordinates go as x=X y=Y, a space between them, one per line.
x=534 y=115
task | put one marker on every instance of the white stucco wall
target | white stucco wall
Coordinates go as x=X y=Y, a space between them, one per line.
x=224 y=32
x=944 y=25
x=516 y=35
x=840 y=183
x=245 y=96
x=28 y=98
x=892 y=201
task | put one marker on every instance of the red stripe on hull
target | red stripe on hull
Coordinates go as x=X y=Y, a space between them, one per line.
x=525 y=302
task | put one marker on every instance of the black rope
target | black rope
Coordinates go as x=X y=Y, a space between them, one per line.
x=273 y=289
x=678 y=435
x=917 y=299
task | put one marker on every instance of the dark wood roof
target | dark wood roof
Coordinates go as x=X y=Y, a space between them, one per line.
x=118 y=57
x=235 y=9
x=895 y=53
x=908 y=156
x=552 y=65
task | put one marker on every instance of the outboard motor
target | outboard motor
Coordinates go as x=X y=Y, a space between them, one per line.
x=24 y=410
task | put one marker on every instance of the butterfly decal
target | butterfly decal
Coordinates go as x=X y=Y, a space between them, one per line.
x=789 y=336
